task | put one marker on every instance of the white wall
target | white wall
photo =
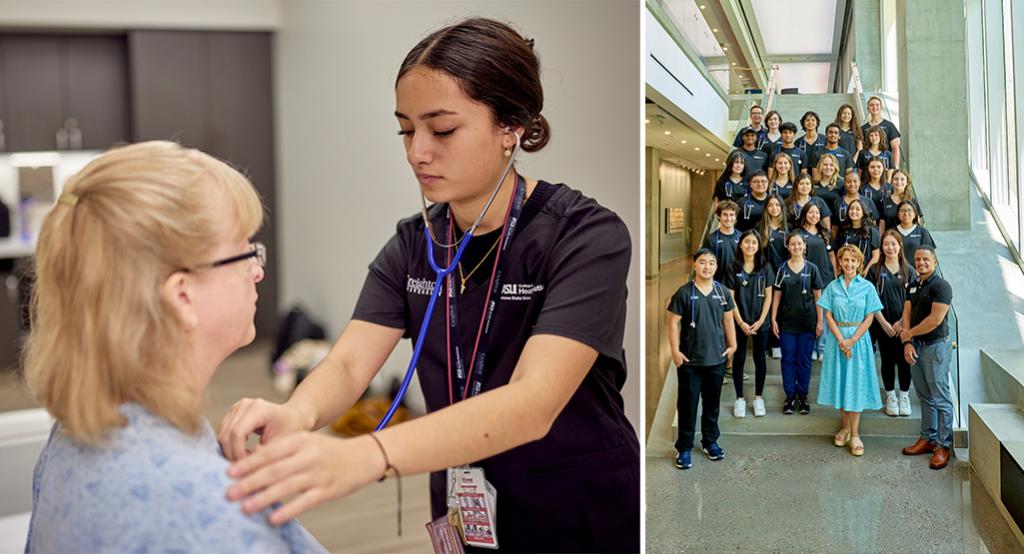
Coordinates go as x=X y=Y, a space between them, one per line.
x=142 y=14
x=343 y=181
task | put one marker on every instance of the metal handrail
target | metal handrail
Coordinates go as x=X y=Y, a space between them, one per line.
x=769 y=103
x=862 y=115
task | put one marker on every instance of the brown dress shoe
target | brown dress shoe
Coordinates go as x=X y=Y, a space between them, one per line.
x=940 y=458
x=922 y=446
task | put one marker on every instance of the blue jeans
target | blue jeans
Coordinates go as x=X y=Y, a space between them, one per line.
x=796 y=362
x=931 y=380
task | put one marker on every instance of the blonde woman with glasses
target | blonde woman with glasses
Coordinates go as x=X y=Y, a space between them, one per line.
x=145 y=283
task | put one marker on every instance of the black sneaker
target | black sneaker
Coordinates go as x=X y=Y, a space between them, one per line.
x=789 y=405
x=804 y=408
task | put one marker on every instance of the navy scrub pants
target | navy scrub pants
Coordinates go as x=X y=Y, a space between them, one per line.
x=796 y=362
x=703 y=384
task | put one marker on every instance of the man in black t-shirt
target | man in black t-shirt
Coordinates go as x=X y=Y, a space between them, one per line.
x=927 y=347
x=755 y=158
x=701 y=335
x=843 y=157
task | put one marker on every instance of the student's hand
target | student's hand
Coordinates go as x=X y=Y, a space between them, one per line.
x=775 y=328
x=896 y=328
x=756 y=326
x=818 y=330
x=728 y=351
x=679 y=359
x=255 y=415
x=311 y=467
x=905 y=335
x=910 y=353
x=745 y=328
x=888 y=329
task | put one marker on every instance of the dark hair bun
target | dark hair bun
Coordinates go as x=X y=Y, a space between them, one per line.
x=537 y=134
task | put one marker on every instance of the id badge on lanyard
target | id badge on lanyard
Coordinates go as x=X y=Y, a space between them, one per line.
x=472 y=507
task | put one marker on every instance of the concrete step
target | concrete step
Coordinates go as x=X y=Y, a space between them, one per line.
x=1004 y=376
x=793 y=106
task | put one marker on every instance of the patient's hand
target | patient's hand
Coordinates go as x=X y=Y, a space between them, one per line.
x=255 y=415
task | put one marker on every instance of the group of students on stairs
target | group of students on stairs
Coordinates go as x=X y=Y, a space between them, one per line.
x=820 y=254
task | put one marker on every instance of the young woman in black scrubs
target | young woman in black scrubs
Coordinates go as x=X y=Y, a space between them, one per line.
x=860 y=231
x=773 y=227
x=891 y=277
x=781 y=176
x=749 y=280
x=875 y=146
x=803 y=194
x=731 y=184
x=850 y=137
x=752 y=205
x=817 y=241
x=772 y=120
x=875 y=188
x=892 y=134
x=830 y=182
x=902 y=191
x=851 y=192
x=544 y=419
x=914 y=235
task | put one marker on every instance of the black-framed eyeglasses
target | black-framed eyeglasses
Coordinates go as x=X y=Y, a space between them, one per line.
x=259 y=252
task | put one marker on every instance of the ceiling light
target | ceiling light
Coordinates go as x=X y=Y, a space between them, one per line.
x=725 y=48
x=702 y=6
x=682 y=142
x=717 y=160
x=714 y=30
x=647 y=121
x=734 y=63
x=668 y=132
x=697 y=148
x=708 y=155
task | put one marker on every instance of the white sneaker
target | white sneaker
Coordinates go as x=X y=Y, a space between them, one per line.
x=740 y=408
x=892 y=407
x=814 y=355
x=759 y=407
x=904 y=403
x=777 y=353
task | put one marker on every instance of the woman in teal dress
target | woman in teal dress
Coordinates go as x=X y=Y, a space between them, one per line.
x=848 y=381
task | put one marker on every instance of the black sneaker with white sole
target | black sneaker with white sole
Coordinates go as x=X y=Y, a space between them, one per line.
x=789 y=406
x=804 y=408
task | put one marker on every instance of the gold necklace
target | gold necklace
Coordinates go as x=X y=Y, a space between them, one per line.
x=466 y=277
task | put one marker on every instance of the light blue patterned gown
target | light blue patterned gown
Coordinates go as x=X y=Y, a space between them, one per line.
x=845 y=383
x=154 y=489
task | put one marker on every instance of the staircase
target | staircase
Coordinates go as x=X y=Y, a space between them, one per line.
x=793 y=106
x=822 y=420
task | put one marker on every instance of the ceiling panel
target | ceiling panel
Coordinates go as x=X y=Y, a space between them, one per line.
x=810 y=78
x=796 y=26
x=683 y=145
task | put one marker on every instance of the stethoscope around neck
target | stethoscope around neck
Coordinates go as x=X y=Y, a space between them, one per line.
x=442 y=272
x=695 y=295
x=760 y=281
x=786 y=270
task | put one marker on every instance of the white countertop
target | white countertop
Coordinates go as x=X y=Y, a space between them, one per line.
x=15 y=247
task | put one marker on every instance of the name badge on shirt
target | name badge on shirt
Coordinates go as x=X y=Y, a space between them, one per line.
x=913 y=290
x=472 y=505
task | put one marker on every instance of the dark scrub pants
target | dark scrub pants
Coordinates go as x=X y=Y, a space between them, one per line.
x=893 y=292
x=750 y=299
x=700 y=378
x=578 y=488
x=797 y=317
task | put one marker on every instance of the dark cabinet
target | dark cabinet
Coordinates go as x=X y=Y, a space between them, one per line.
x=63 y=92
x=213 y=91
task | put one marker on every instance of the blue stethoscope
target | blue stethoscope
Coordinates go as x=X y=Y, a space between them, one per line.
x=804 y=276
x=760 y=281
x=441 y=272
x=716 y=291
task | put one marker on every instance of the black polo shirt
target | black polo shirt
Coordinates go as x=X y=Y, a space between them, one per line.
x=866 y=244
x=843 y=156
x=775 y=249
x=761 y=134
x=704 y=341
x=891 y=211
x=839 y=209
x=892 y=290
x=817 y=253
x=749 y=290
x=794 y=153
x=724 y=246
x=917 y=237
x=750 y=212
x=891 y=132
x=829 y=194
x=921 y=295
x=731 y=190
x=564 y=274
x=756 y=160
x=848 y=140
x=797 y=312
x=795 y=208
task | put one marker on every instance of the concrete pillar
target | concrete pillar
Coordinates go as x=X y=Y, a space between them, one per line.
x=867 y=21
x=652 y=197
x=933 y=107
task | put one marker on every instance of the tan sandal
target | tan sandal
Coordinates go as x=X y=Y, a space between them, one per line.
x=842 y=438
x=856 y=446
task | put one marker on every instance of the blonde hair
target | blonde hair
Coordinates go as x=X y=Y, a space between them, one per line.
x=835 y=163
x=102 y=334
x=853 y=251
x=772 y=174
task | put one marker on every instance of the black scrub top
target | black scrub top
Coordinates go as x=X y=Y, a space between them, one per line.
x=839 y=209
x=795 y=154
x=750 y=212
x=817 y=253
x=891 y=211
x=866 y=156
x=877 y=197
x=757 y=160
x=775 y=248
x=913 y=240
x=770 y=145
x=843 y=156
x=762 y=133
x=891 y=132
x=848 y=140
x=704 y=341
x=866 y=244
x=892 y=290
x=921 y=296
x=749 y=291
x=829 y=194
x=565 y=272
x=809 y=150
x=821 y=204
x=782 y=191
x=731 y=190
x=724 y=246
x=797 y=312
